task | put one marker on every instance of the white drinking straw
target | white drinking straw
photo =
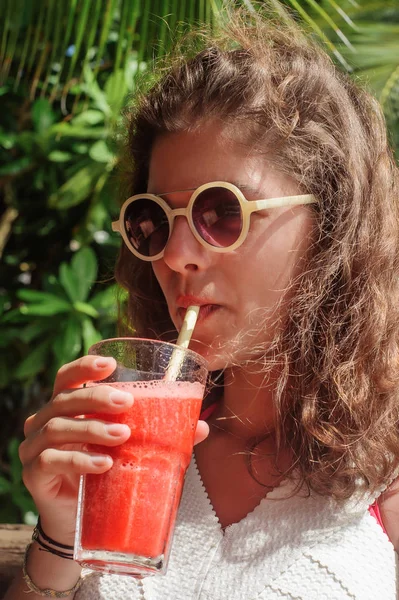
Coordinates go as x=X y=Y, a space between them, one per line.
x=183 y=341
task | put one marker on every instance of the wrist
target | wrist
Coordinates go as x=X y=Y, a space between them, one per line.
x=48 y=571
x=48 y=544
x=63 y=534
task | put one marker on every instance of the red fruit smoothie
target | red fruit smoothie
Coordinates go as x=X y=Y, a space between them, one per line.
x=132 y=508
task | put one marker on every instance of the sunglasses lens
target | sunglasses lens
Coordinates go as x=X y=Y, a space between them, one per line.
x=217 y=216
x=147 y=226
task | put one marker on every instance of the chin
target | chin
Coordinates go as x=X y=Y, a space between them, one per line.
x=217 y=358
x=225 y=353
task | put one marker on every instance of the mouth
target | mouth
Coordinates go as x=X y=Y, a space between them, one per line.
x=206 y=309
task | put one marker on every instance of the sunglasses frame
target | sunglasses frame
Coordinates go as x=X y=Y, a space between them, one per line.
x=247 y=208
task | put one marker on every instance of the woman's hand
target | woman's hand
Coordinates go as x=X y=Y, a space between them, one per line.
x=54 y=453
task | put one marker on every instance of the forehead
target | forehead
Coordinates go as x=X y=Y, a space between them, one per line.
x=186 y=160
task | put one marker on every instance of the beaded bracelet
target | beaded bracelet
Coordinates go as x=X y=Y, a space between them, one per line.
x=47 y=591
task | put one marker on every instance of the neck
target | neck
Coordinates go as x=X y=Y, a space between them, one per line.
x=247 y=410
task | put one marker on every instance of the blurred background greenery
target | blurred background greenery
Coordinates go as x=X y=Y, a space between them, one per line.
x=67 y=69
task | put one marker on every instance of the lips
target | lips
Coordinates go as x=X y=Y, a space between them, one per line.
x=207 y=306
x=190 y=300
x=206 y=310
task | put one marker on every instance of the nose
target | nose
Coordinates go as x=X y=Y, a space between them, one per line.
x=183 y=252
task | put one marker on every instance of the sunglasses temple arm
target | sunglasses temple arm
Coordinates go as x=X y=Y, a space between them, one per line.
x=115 y=226
x=256 y=205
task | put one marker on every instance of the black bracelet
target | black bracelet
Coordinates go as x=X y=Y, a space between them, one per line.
x=45 y=548
x=48 y=539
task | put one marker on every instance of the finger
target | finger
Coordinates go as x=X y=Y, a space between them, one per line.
x=73 y=403
x=59 y=431
x=201 y=432
x=47 y=471
x=80 y=371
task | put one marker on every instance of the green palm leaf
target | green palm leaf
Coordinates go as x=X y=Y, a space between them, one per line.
x=50 y=43
x=376 y=57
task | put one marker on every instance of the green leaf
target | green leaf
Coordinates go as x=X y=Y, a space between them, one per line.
x=5 y=485
x=68 y=343
x=115 y=91
x=84 y=266
x=8 y=335
x=101 y=153
x=45 y=310
x=26 y=140
x=51 y=285
x=93 y=90
x=70 y=282
x=80 y=148
x=88 y=117
x=42 y=115
x=107 y=299
x=42 y=303
x=85 y=133
x=77 y=188
x=13 y=316
x=59 y=156
x=90 y=334
x=16 y=166
x=5 y=303
x=34 y=362
x=7 y=139
x=37 y=296
x=86 y=309
x=35 y=329
x=98 y=217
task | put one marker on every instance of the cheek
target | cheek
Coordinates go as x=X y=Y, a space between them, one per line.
x=284 y=250
x=158 y=270
x=161 y=275
x=268 y=265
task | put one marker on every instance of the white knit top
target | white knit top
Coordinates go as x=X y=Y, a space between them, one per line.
x=299 y=548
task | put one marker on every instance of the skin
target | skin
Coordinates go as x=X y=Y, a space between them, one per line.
x=389 y=508
x=246 y=284
x=246 y=287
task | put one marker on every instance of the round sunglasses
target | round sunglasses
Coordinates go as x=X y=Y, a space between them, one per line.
x=218 y=215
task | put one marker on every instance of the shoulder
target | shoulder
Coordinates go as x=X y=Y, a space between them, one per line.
x=389 y=508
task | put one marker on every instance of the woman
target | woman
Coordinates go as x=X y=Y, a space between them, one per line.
x=298 y=321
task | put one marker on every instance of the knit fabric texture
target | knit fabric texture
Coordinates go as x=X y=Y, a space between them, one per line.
x=304 y=547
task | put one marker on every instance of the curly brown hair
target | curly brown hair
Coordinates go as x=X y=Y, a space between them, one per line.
x=337 y=393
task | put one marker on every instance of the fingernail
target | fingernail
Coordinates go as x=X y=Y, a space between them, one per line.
x=100 y=461
x=120 y=398
x=117 y=429
x=101 y=363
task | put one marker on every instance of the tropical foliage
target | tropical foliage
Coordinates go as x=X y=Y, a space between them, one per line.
x=67 y=70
